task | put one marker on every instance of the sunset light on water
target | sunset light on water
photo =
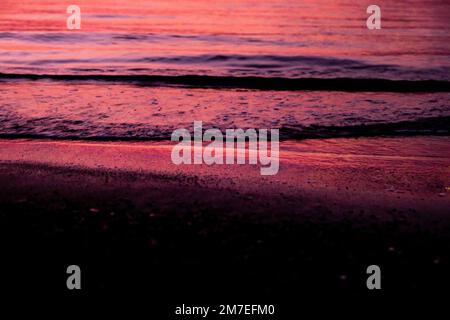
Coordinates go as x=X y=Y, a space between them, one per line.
x=225 y=157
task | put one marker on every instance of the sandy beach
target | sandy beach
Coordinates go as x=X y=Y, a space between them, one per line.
x=134 y=220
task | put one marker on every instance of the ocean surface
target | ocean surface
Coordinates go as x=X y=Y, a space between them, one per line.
x=140 y=69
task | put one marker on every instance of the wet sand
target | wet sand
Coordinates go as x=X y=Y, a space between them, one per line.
x=133 y=221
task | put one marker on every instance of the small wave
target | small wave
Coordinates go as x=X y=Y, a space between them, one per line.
x=129 y=38
x=426 y=126
x=257 y=83
x=70 y=130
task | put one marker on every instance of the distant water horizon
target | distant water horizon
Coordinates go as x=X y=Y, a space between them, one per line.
x=287 y=39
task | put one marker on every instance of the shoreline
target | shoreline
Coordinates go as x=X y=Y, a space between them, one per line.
x=410 y=173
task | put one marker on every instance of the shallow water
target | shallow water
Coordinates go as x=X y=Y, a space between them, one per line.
x=99 y=110
x=263 y=39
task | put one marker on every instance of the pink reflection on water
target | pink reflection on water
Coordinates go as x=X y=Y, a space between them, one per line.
x=414 y=33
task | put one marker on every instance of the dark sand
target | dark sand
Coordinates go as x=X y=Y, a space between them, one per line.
x=136 y=223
